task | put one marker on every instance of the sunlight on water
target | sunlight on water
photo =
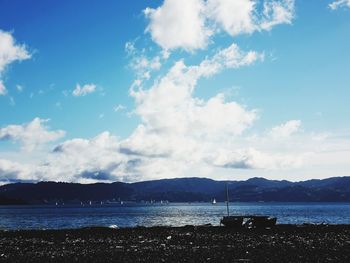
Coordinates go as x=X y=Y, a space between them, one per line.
x=129 y=215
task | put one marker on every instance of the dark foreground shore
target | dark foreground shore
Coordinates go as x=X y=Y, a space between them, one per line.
x=284 y=243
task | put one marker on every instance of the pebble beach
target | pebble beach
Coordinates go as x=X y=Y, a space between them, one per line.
x=283 y=243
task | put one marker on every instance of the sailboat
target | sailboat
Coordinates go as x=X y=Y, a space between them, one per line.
x=214 y=201
x=250 y=221
x=230 y=221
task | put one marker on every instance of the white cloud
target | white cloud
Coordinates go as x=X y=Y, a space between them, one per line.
x=277 y=12
x=143 y=65
x=180 y=130
x=10 y=52
x=83 y=160
x=169 y=104
x=251 y=158
x=235 y=17
x=286 y=129
x=178 y=24
x=13 y=172
x=31 y=135
x=3 y=90
x=174 y=127
x=339 y=3
x=189 y=24
x=181 y=134
x=83 y=90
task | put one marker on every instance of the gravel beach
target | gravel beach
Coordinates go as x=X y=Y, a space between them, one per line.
x=283 y=243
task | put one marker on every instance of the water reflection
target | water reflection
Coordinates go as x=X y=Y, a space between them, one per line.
x=44 y=217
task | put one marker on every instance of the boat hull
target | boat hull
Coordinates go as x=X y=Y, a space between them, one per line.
x=232 y=221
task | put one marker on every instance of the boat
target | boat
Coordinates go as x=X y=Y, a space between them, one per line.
x=214 y=201
x=249 y=221
x=231 y=221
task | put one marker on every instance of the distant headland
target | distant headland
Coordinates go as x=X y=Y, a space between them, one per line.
x=336 y=189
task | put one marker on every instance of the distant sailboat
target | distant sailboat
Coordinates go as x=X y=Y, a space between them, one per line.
x=90 y=203
x=214 y=201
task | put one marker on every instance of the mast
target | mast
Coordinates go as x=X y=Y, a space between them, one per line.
x=227 y=200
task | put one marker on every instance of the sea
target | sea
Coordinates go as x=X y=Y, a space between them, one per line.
x=168 y=214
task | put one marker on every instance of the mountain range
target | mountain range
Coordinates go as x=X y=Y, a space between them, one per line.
x=336 y=189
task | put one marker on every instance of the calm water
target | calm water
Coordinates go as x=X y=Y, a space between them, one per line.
x=45 y=217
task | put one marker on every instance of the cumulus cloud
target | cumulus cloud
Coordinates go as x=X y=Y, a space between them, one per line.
x=339 y=3
x=75 y=160
x=179 y=129
x=286 y=129
x=10 y=52
x=179 y=23
x=174 y=125
x=169 y=104
x=189 y=24
x=95 y=159
x=13 y=172
x=179 y=134
x=30 y=135
x=234 y=17
x=83 y=90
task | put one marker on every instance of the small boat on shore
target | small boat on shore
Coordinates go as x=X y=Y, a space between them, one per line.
x=231 y=221
x=250 y=221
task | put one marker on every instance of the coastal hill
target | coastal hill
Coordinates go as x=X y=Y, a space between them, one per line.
x=336 y=189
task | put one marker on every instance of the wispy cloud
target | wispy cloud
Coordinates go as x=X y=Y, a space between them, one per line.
x=83 y=90
x=3 y=89
x=119 y=107
x=339 y=3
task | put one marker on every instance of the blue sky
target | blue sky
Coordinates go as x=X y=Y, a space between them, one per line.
x=297 y=85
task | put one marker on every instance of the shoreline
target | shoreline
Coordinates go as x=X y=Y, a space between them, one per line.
x=284 y=243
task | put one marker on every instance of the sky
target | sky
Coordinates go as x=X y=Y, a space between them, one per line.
x=143 y=90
